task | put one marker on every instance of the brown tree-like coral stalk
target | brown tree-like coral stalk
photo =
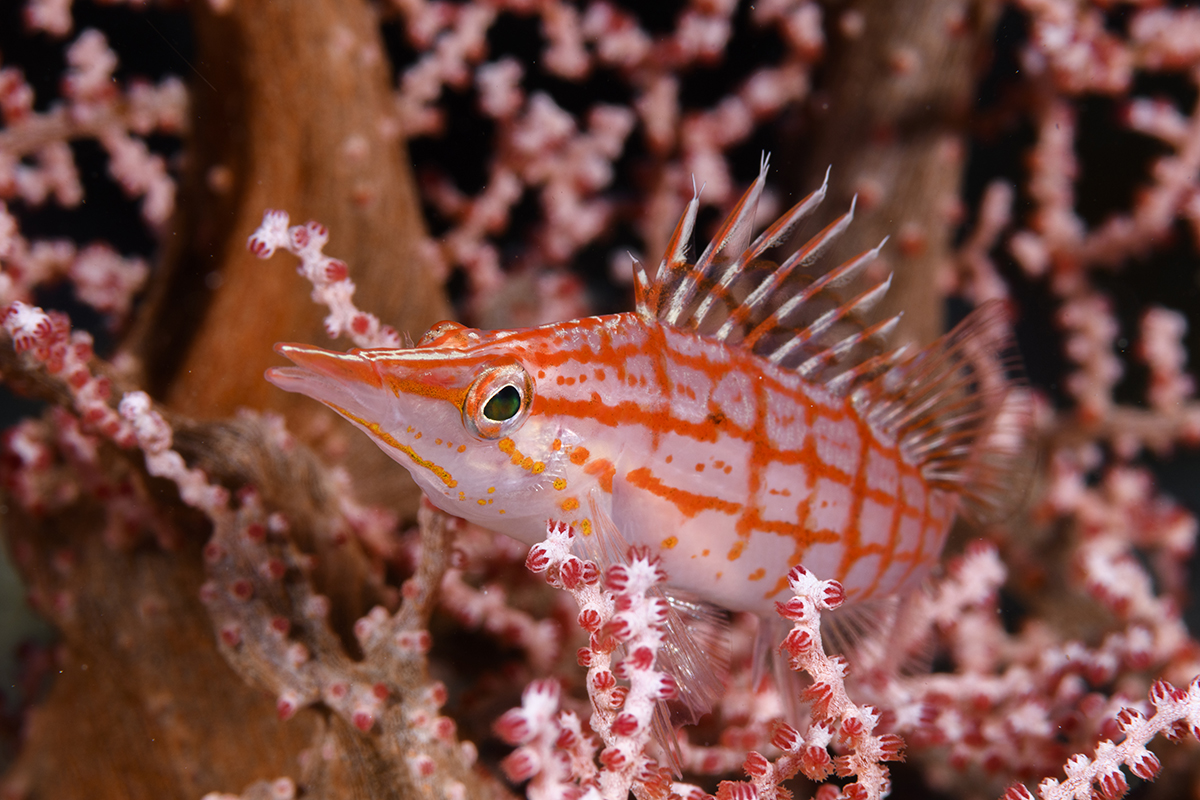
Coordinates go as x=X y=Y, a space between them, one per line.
x=291 y=109
x=890 y=119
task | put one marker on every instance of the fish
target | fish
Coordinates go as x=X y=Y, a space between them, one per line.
x=743 y=419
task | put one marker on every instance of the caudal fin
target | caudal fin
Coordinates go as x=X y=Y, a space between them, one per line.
x=961 y=410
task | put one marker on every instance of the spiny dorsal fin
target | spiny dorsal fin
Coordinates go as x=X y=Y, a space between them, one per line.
x=960 y=410
x=780 y=312
x=650 y=294
x=817 y=363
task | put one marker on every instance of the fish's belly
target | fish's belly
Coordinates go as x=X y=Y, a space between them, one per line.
x=729 y=528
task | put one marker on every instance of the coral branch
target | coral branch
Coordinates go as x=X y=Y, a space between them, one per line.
x=1176 y=714
x=66 y=354
x=832 y=709
x=332 y=286
x=621 y=615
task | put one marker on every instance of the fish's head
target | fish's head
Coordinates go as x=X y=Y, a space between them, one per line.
x=456 y=411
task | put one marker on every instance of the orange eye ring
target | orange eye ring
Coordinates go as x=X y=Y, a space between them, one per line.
x=498 y=401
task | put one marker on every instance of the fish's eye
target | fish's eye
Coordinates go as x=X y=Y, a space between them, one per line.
x=498 y=400
x=503 y=405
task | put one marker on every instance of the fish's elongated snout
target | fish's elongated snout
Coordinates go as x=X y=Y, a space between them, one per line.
x=348 y=367
x=345 y=380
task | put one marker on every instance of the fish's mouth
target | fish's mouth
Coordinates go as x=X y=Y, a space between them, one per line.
x=343 y=380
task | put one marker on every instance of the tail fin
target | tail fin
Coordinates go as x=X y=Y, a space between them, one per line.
x=961 y=410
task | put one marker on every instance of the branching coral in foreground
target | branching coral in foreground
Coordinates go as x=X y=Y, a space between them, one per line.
x=1013 y=698
x=66 y=354
x=832 y=709
x=330 y=278
x=269 y=622
x=618 y=610
x=274 y=627
x=1176 y=714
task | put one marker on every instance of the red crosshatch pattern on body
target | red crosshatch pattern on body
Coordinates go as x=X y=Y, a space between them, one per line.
x=730 y=452
x=802 y=478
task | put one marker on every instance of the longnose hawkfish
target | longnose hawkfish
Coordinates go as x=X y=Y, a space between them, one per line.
x=738 y=422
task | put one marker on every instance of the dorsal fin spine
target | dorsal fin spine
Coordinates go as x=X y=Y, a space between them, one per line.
x=897 y=415
x=799 y=321
x=772 y=236
x=641 y=292
x=740 y=216
x=813 y=249
x=834 y=277
x=739 y=219
x=673 y=259
x=676 y=254
x=863 y=303
x=843 y=384
x=880 y=330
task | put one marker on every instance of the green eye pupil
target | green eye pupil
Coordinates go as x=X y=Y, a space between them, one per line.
x=503 y=405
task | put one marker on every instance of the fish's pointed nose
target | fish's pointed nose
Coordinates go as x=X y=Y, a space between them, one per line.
x=346 y=368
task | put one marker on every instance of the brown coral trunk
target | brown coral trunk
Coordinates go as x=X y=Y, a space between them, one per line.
x=890 y=118
x=292 y=111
